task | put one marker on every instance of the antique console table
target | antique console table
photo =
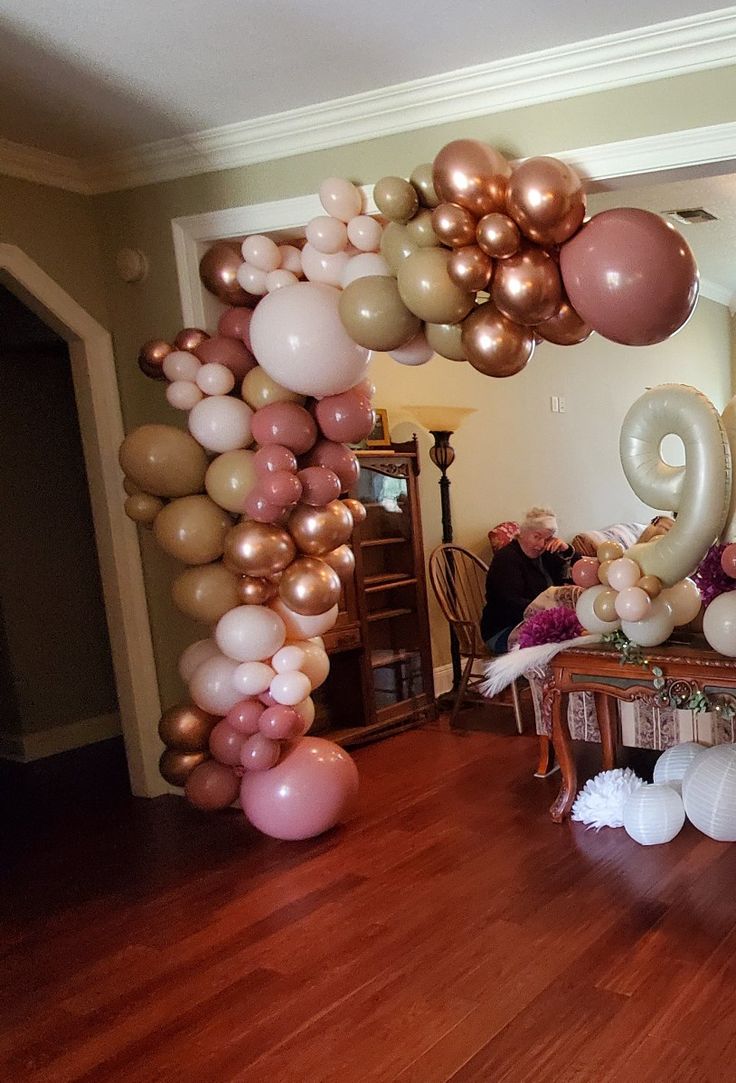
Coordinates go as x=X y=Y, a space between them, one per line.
x=687 y=668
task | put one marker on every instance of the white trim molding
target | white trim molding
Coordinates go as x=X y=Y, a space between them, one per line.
x=37 y=745
x=677 y=47
x=101 y=426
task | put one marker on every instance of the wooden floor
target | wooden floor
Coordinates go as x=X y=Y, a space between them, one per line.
x=450 y=931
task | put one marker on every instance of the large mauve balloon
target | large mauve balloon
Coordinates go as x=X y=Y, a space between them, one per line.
x=471 y=174
x=299 y=339
x=307 y=792
x=631 y=276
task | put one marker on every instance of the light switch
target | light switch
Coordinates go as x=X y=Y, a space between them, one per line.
x=554 y=404
x=562 y=405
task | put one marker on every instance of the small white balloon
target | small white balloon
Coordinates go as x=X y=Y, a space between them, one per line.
x=261 y=252
x=327 y=234
x=215 y=379
x=181 y=365
x=316 y=664
x=193 y=656
x=276 y=280
x=289 y=657
x=291 y=259
x=719 y=624
x=306 y=711
x=211 y=685
x=365 y=233
x=221 y=423
x=623 y=573
x=183 y=395
x=321 y=267
x=364 y=265
x=252 y=279
x=250 y=633
x=253 y=678
x=290 y=688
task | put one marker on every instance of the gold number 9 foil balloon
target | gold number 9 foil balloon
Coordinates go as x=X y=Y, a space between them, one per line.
x=700 y=491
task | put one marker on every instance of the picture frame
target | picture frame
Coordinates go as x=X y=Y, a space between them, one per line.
x=380 y=436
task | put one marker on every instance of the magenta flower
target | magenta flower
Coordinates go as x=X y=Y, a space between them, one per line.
x=550 y=626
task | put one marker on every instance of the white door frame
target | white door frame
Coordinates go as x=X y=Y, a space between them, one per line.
x=101 y=426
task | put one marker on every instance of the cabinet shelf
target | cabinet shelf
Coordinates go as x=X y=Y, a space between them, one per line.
x=383 y=541
x=386 y=614
x=390 y=581
x=389 y=658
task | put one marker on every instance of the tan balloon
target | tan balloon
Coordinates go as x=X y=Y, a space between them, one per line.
x=218 y=270
x=253 y=591
x=176 y=767
x=498 y=235
x=545 y=198
x=396 y=198
x=472 y=174
x=143 y=508
x=189 y=338
x=604 y=605
x=206 y=592
x=609 y=550
x=421 y=178
x=318 y=530
x=527 y=287
x=130 y=487
x=428 y=291
x=229 y=479
x=356 y=508
x=396 y=245
x=151 y=357
x=342 y=560
x=651 y=585
x=603 y=571
x=453 y=225
x=446 y=340
x=495 y=345
x=186 y=728
x=192 y=529
x=470 y=268
x=565 y=328
x=260 y=390
x=163 y=461
x=421 y=231
x=374 y=315
x=309 y=586
x=258 y=549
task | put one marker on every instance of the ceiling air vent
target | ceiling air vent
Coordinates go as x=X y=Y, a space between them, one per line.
x=692 y=216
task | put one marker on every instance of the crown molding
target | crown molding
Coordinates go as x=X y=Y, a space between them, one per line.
x=715 y=292
x=672 y=48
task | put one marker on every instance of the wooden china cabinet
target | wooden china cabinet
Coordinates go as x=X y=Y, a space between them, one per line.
x=380 y=678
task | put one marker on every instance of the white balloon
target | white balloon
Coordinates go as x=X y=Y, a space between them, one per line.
x=290 y=688
x=215 y=379
x=365 y=233
x=416 y=352
x=306 y=712
x=276 y=280
x=211 y=685
x=250 y=633
x=321 y=267
x=589 y=620
x=253 y=678
x=181 y=365
x=623 y=573
x=365 y=265
x=221 y=423
x=261 y=252
x=193 y=656
x=719 y=624
x=657 y=626
x=252 y=279
x=183 y=395
x=316 y=664
x=301 y=627
x=289 y=657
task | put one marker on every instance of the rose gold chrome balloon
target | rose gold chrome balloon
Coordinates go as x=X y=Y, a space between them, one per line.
x=356 y=509
x=218 y=271
x=189 y=338
x=258 y=549
x=186 y=728
x=527 y=287
x=495 y=345
x=565 y=328
x=253 y=591
x=545 y=198
x=472 y=174
x=176 y=767
x=498 y=235
x=454 y=225
x=309 y=586
x=318 y=530
x=342 y=560
x=470 y=268
x=151 y=357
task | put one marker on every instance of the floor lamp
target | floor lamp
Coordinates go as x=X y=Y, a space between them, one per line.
x=441 y=422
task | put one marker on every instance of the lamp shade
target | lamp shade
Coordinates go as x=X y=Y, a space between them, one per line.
x=709 y=792
x=671 y=766
x=440 y=418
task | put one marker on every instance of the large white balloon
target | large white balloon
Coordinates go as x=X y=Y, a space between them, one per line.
x=299 y=340
x=657 y=626
x=250 y=633
x=719 y=624
x=221 y=423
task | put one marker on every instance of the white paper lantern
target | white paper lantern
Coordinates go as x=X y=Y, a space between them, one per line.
x=654 y=814
x=709 y=792
x=671 y=766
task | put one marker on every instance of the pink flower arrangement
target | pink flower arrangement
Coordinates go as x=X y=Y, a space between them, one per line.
x=553 y=625
x=710 y=578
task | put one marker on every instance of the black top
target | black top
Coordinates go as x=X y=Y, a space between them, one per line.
x=514 y=580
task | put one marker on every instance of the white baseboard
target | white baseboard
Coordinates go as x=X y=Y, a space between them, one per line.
x=27 y=747
x=442 y=678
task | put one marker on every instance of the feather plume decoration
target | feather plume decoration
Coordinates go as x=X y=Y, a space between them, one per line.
x=505 y=669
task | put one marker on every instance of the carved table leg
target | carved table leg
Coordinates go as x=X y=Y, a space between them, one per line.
x=546 y=764
x=563 y=748
x=607 y=724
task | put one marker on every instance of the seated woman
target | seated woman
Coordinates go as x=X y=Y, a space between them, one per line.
x=533 y=561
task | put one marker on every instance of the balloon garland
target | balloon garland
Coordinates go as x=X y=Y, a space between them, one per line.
x=469 y=259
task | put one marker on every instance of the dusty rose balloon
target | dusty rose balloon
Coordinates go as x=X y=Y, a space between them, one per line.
x=309 y=586
x=218 y=270
x=260 y=509
x=493 y=344
x=244 y=716
x=631 y=276
x=345 y=418
x=226 y=743
x=728 y=560
x=498 y=235
x=342 y=560
x=338 y=458
x=267 y=700
x=632 y=603
x=273 y=458
x=151 y=358
x=287 y=424
x=454 y=225
x=565 y=328
x=189 y=338
x=340 y=198
x=186 y=728
x=545 y=198
x=470 y=268
x=212 y=786
x=527 y=287
x=176 y=767
x=319 y=485
x=235 y=323
x=280 y=723
x=259 y=753
x=281 y=487
x=585 y=572
x=472 y=174
x=230 y=352
x=258 y=549
x=308 y=792
x=253 y=591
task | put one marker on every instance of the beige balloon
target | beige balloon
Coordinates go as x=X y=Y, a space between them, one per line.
x=260 y=390
x=421 y=230
x=309 y=586
x=604 y=605
x=421 y=178
x=206 y=593
x=446 y=340
x=163 y=461
x=396 y=198
x=396 y=245
x=229 y=479
x=318 y=530
x=374 y=315
x=130 y=487
x=427 y=290
x=258 y=549
x=143 y=508
x=192 y=529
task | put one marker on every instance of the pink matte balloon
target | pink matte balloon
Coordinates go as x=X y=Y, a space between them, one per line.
x=728 y=560
x=327 y=234
x=325 y=267
x=280 y=723
x=345 y=418
x=632 y=603
x=338 y=458
x=281 y=487
x=259 y=753
x=319 y=485
x=585 y=572
x=229 y=352
x=212 y=786
x=308 y=792
x=631 y=276
x=274 y=457
x=244 y=716
x=226 y=743
x=287 y=424
x=235 y=323
x=340 y=198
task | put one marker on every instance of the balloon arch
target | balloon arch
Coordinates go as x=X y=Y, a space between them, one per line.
x=469 y=259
